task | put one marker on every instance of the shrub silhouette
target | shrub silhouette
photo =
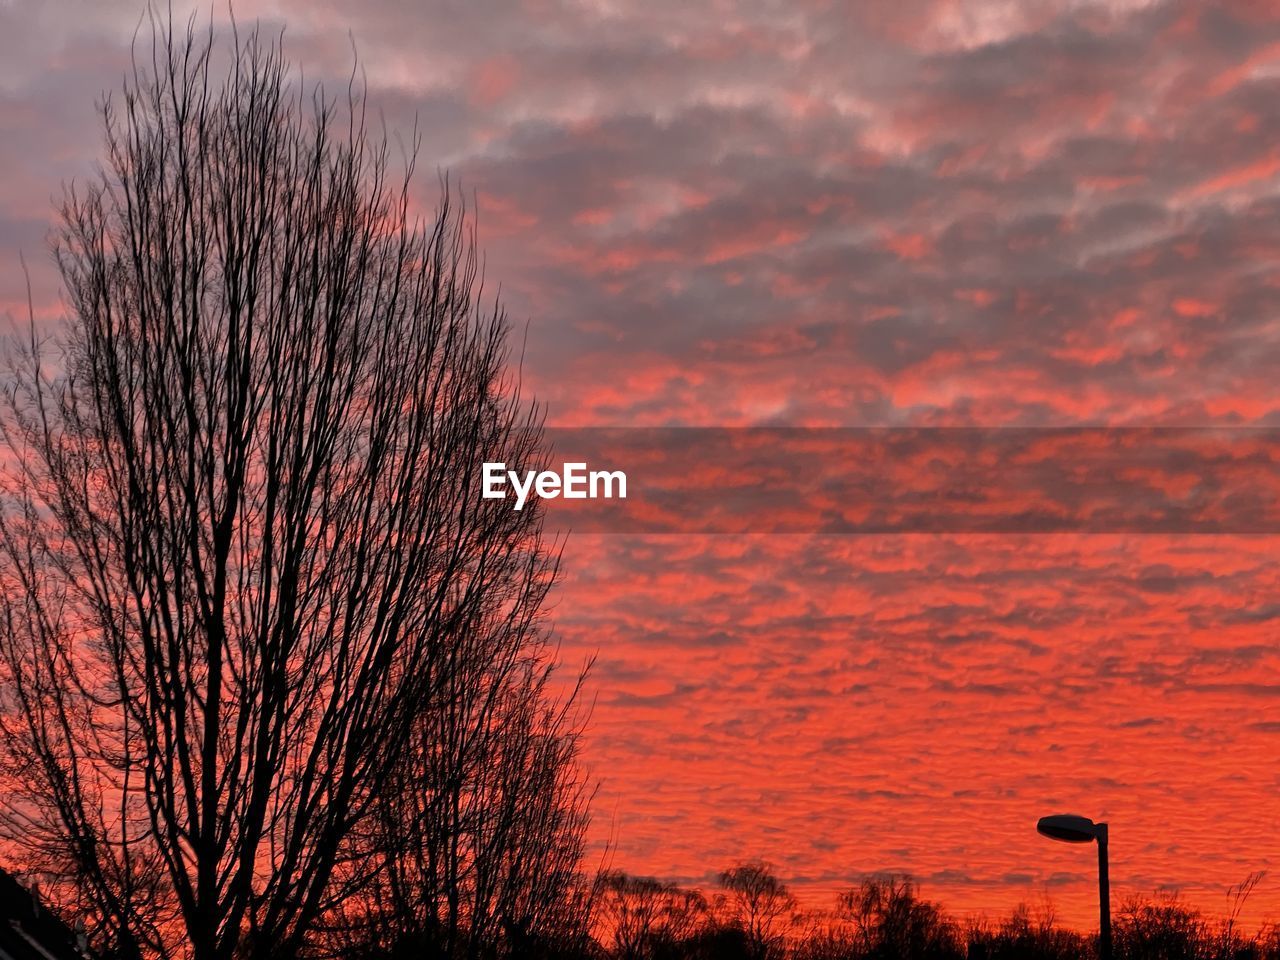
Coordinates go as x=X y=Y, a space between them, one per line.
x=891 y=921
x=1026 y=936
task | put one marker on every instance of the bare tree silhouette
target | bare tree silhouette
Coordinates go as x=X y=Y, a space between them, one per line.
x=252 y=607
x=480 y=837
x=647 y=919
x=890 y=919
x=760 y=905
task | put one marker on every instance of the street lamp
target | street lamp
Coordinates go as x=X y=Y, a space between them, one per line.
x=1070 y=828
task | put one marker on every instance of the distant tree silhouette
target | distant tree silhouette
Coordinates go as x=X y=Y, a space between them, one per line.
x=760 y=905
x=646 y=919
x=259 y=637
x=892 y=922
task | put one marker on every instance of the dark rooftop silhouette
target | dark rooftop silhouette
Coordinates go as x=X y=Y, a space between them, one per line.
x=31 y=931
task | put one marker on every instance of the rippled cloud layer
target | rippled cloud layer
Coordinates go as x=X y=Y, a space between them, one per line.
x=887 y=214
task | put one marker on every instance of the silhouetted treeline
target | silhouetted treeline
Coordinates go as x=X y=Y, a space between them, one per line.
x=751 y=915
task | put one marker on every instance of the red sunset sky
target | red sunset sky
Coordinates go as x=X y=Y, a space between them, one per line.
x=879 y=213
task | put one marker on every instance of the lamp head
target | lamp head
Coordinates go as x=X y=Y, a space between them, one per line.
x=1069 y=828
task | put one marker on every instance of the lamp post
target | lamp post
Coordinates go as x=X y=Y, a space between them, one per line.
x=1070 y=828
